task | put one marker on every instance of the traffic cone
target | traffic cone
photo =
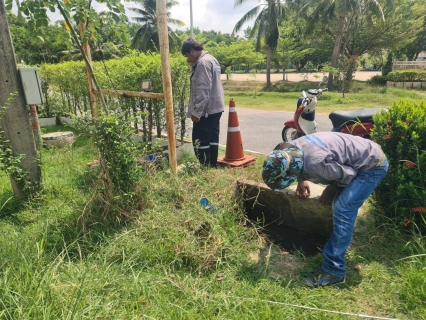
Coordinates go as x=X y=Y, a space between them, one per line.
x=234 y=154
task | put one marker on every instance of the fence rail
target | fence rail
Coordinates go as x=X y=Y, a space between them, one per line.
x=409 y=65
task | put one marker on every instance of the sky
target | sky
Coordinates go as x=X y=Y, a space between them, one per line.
x=218 y=15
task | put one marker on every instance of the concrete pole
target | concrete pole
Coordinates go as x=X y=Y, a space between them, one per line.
x=190 y=15
x=15 y=121
x=167 y=81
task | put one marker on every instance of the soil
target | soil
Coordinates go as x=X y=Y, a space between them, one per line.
x=314 y=76
x=289 y=239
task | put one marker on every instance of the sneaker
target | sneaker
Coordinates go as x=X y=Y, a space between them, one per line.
x=322 y=279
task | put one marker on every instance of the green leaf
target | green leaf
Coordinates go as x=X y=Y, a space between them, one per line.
x=9 y=6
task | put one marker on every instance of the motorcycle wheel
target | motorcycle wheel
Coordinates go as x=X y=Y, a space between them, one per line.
x=289 y=134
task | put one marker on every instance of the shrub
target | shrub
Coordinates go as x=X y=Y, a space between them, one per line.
x=68 y=80
x=407 y=75
x=401 y=132
x=388 y=65
x=377 y=81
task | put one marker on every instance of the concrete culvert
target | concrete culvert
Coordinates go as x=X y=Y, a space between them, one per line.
x=287 y=221
x=58 y=139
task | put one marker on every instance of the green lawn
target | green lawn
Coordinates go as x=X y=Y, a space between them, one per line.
x=250 y=95
x=61 y=258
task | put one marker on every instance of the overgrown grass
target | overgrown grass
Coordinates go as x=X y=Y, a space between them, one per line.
x=283 y=96
x=175 y=260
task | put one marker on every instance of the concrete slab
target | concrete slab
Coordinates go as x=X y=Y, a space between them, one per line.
x=58 y=139
x=283 y=207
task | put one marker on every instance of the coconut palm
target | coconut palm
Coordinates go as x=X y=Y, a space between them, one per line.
x=146 y=37
x=268 y=16
x=320 y=11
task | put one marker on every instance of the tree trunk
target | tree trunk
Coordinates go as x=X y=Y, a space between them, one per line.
x=15 y=121
x=268 y=67
x=336 y=50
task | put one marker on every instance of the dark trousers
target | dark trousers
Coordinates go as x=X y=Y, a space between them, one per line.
x=205 y=139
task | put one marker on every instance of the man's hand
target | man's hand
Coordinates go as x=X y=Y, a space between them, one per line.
x=194 y=118
x=328 y=195
x=303 y=191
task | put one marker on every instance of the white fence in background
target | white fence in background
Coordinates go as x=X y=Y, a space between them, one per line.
x=409 y=65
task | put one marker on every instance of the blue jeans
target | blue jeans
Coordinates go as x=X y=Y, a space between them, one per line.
x=345 y=210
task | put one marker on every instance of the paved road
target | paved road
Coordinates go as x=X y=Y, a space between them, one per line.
x=261 y=130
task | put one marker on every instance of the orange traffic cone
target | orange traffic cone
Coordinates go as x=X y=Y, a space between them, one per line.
x=234 y=154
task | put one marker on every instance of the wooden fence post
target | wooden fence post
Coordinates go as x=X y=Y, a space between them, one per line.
x=167 y=81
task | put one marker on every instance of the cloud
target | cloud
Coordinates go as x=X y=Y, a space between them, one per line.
x=218 y=15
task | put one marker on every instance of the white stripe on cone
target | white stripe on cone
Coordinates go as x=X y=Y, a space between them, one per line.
x=232 y=109
x=233 y=129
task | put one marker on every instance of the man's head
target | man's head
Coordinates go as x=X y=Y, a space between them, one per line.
x=192 y=50
x=282 y=166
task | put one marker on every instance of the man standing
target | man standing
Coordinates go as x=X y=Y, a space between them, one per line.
x=352 y=167
x=206 y=101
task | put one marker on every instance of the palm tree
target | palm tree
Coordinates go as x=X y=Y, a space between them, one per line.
x=146 y=37
x=268 y=16
x=328 y=10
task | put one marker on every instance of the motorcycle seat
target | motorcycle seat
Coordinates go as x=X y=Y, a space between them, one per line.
x=342 y=118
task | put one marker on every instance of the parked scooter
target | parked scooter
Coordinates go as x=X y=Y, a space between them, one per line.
x=355 y=122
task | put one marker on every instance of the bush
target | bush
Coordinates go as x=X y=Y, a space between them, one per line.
x=388 y=65
x=377 y=81
x=407 y=75
x=401 y=132
x=68 y=80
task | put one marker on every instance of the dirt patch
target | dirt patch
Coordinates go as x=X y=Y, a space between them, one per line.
x=280 y=263
x=291 y=240
x=314 y=76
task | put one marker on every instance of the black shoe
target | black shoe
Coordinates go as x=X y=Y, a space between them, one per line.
x=322 y=279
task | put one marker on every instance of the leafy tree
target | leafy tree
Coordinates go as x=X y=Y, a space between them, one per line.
x=400 y=26
x=35 y=49
x=267 y=20
x=240 y=52
x=76 y=14
x=388 y=65
x=296 y=47
x=146 y=37
x=413 y=49
x=108 y=30
x=323 y=12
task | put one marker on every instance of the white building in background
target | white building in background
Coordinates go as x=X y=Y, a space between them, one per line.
x=421 y=56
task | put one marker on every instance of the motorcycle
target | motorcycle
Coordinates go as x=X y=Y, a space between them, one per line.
x=355 y=122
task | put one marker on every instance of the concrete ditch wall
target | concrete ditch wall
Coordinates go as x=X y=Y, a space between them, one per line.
x=284 y=208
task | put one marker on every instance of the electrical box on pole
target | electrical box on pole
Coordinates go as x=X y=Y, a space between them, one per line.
x=32 y=85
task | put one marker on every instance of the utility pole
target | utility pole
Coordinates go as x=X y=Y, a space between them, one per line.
x=15 y=121
x=190 y=15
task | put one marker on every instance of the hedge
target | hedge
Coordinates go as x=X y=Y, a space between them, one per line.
x=407 y=76
x=401 y=132
x=69 y=94
x=377 y=80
